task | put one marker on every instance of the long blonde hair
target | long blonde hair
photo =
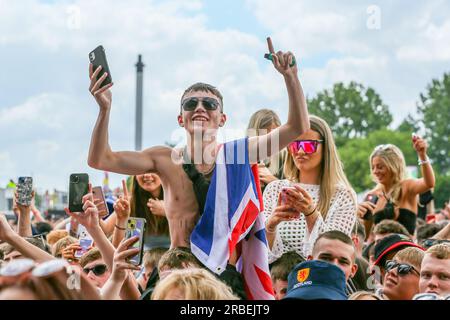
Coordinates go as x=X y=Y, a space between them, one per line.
x=331 y=174
x=259 y=121
x=196 y=283
x=394 y=160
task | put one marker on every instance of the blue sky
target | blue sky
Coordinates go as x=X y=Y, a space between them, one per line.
x=47 y=114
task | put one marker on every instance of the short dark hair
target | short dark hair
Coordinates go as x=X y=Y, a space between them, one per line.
x=335 y=235
x=43 y=228
x=91 y=255
x=283 y=265
x=390 y=226
x=177 y=258
x=427 y=231
x=200 y=86
x=359 y=230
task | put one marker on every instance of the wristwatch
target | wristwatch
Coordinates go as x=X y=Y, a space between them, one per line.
x=421 y=162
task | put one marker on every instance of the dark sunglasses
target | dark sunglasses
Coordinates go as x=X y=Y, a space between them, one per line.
x=402 y=268
x=431 y=242
x=98 y=270
x=190 y=104
x=308 y=146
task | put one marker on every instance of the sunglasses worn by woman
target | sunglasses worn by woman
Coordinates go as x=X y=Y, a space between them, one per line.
x=308 y=146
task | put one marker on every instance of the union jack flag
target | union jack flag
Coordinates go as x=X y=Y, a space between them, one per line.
x=233 y=219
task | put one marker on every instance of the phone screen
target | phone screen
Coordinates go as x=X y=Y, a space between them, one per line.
x=85 y=244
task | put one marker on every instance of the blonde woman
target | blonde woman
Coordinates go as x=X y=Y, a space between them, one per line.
x=192 y=284
x=395 y=195
x=315 y=198
x=262 y=122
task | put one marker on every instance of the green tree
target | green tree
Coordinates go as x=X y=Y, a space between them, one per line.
x=434 y=109
x=352 y=111
x=441 y=190
x=356 y=152
x=409 y=125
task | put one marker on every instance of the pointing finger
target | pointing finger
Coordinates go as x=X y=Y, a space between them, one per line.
x=270 y=45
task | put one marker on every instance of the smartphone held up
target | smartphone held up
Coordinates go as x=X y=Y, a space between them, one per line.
x=25 y=191
x=98 y=59
x=78 y=187
x=136 y=228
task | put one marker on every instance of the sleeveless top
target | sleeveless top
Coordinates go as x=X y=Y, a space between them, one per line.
x=405 y=217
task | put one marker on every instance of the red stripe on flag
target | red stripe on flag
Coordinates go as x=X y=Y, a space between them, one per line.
x=265 y=280
x=258 y=186
x=246 y=220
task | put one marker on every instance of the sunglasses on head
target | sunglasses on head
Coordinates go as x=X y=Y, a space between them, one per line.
x=98 y=270
x=431 y=242
x=430 y=296
x=308 y=146
x=190 y=104
x=402 y=268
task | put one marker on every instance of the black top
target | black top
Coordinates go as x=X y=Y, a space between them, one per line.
x=405 y=217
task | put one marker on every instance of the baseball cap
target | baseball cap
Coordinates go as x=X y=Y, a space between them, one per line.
x=316 y=280
x=389 y=243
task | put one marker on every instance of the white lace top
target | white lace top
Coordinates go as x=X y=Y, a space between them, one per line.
x=294 y=235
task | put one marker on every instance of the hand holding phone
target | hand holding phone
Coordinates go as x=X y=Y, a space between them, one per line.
x=100 y=202
x=24 y=191
x=136 y=228
x=372 y=198
x=78 y=187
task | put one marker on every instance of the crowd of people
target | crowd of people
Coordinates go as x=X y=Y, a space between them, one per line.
x=319 y=241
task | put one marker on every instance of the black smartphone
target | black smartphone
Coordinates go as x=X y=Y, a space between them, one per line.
x=98 y=58
x=78 y=187
x=136 y=227
x=24 y=191
x=373 y=198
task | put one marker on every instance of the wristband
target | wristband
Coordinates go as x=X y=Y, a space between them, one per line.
x=421 y=162
x=312 y=212
x=120 y=228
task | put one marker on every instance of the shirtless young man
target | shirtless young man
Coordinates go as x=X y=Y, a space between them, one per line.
x=182 y=209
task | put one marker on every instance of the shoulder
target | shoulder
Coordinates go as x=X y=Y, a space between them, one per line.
x=345 y=192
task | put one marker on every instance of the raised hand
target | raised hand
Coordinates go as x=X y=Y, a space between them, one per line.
x=284 y=62
x=156 y=207
x=122 y=206
x=89 y=217
x=68 y=252
x=420 y=145
x=102 y=95
x=121 y=256
x=5 y=229
x=365 y=206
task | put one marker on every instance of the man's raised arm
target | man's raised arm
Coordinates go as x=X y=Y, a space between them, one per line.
x=100 y=154
x=298 y=120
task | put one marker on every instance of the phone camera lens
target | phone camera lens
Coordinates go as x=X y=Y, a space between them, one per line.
x=75 y=179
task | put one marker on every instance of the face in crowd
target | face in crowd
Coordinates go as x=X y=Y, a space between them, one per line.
x=280 y=288
x=201 y=110
x=338 y=253
x=149 y=182
x=435 y=275
x=401 y=281
x=97 y=272
x=380 y=171
x=311 y=158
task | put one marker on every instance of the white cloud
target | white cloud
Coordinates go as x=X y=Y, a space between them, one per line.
x=47 y=114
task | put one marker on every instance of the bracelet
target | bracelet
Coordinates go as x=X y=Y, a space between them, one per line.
x=421 y=162
x=312 y=212
x=120 y=228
